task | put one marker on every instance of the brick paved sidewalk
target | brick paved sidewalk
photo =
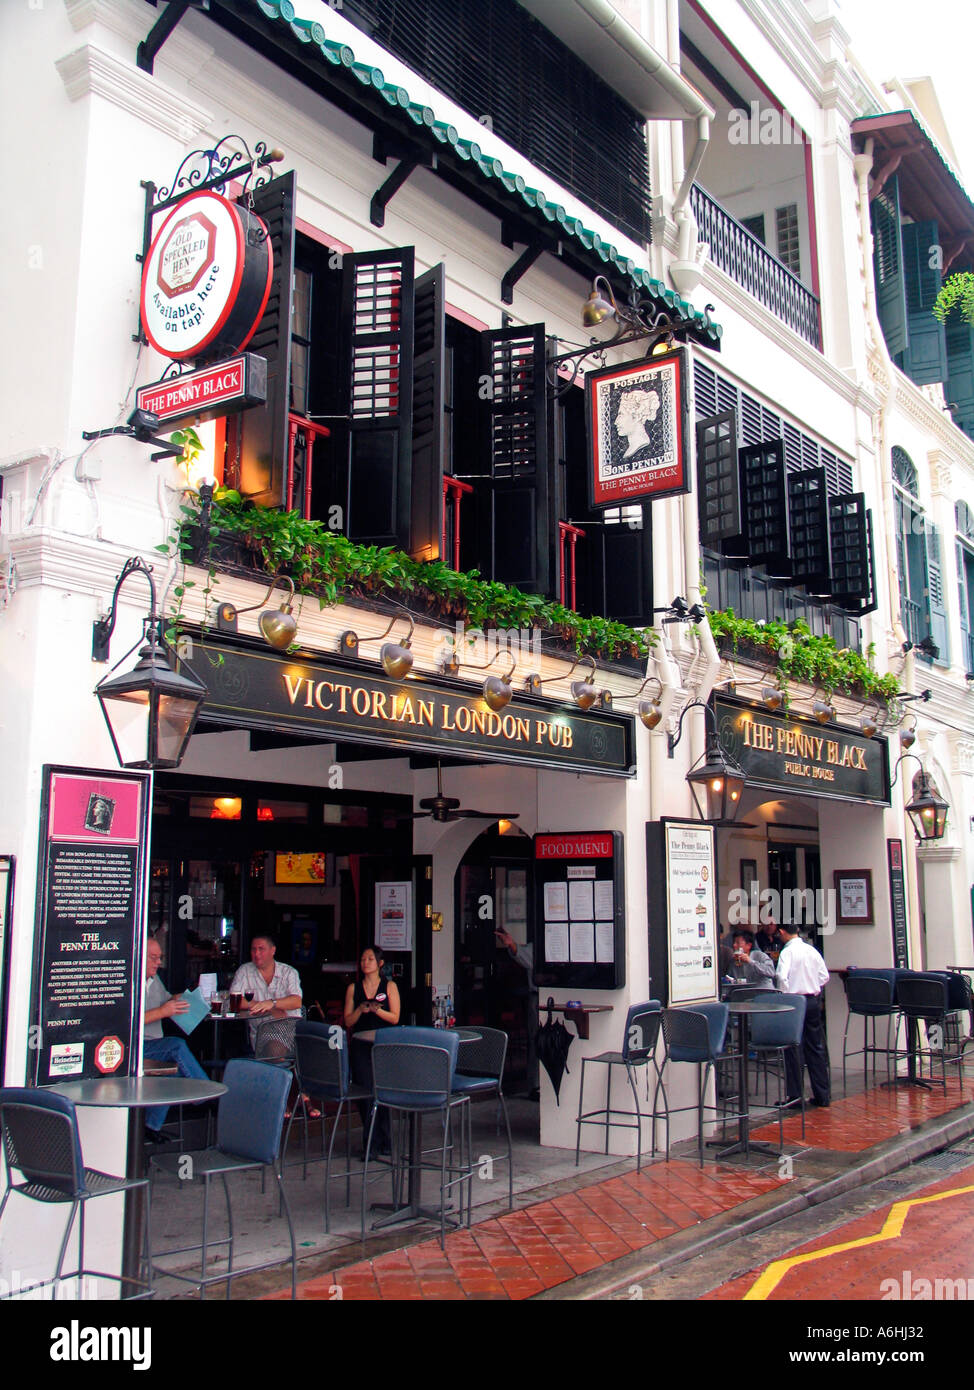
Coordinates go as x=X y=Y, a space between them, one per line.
x=523 y=1253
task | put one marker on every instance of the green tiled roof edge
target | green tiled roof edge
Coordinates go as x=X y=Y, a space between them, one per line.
x=309 y=31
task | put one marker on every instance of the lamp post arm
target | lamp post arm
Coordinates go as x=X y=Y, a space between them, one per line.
x=673 y=739
x=102 y=629
x=902 y=759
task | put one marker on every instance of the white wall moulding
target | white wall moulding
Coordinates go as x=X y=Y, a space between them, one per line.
x=90 y=71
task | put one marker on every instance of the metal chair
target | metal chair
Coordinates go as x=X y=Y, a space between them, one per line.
x=776 y=1033
x=483 y=1075
x=248 y=1136
x=638 y=1050
x=868 y=997
x=322 y=1070
x=413 y=1071
x=695 y=1035
x=41 y=1143
x=924 y=999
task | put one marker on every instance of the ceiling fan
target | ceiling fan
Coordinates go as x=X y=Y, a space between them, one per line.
x=447 y=808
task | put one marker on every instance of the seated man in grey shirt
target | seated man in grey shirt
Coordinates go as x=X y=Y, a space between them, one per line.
x=751 y=966
x=160 y=1004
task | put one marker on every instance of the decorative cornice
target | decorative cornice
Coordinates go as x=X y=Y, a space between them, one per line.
x=938 y=854
x=941 y=474
x=962 y=754
x=90 y=71
x=913 y=403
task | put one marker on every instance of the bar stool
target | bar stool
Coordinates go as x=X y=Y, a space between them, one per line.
x=695 y=1035
x=924 y=999
x=868 y=997
x=484 y=1076
x=776 y=1033
x=639 y=1041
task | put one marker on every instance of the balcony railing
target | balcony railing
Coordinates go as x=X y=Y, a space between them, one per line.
x=741 y=256
x=912 y=618
x=969 y=668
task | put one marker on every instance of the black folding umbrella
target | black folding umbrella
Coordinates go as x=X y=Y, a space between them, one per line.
x=552 y=1043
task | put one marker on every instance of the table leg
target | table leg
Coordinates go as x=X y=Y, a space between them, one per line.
x=911 y=1078
x=745 y=1144
x=134 y=1211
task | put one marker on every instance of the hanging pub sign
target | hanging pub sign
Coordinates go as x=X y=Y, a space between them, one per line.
x=212 y=391
x=638 y=430
x=207 y=278
x=90 y=924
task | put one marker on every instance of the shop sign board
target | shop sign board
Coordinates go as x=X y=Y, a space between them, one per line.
x=682 y=910
x=579 y=920
x=207 y=278
x=793 y=754
x=638 y=431
x=90 y=924
x=897 y=904
x=260 y=690
x=221 y=389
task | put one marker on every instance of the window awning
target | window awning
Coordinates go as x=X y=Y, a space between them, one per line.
x=928 y=186
x=337 y=64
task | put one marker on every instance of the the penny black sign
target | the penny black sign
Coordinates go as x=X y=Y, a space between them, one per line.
x=637 y=417
x=793 y=754
x=256 y=691
x=214 y=391
x=90 y=912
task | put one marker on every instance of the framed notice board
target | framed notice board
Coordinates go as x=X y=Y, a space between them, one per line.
x=681 y=896
x=579 y=914
x=90 y=923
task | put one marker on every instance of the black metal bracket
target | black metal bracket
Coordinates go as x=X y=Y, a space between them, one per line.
x=102 y=628
x=523 y=264
x=387 y=191
x=145 y=54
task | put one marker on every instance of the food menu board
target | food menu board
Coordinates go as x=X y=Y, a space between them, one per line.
x=681 y=897
x=90 y=924
x=579 y=910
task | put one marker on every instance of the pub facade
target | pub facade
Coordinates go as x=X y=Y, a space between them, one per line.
x=452 y=689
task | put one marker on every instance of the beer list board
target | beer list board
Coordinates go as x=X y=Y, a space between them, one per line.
x=682 y=906
x=579 y=920
x=90 y=924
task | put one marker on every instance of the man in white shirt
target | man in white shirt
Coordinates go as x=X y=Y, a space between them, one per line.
x=801 y=970
x=276 y=987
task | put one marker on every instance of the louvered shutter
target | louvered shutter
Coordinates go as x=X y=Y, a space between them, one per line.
x=965 y=610
x=936 y=604
x=960 y=372
x=925 y=357
x=516 y=525
x=264 y=430
x=808 y=528
x=377 y=317
x=429 y=383
x=765 y=504
x=718 y=480
x=850 y=535
x=888 y=267
x=615 y=567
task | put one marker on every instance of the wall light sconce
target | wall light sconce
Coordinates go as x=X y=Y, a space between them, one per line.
x=823 y=711
x=150 y=711
x=908 y=734
x=584 y=692
x=716 y=780
x=396 y=658
x=927 y=810
x=772 y=698
x=650 y=710
x=498 y=691
x=278 y=626
x=869 y=721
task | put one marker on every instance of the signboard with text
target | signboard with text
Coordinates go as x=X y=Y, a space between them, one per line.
x=579 y=920
x=682 y=911
x=256 y=689
x=638 y=438
x=221 y=389
x=789 y=753
x=897 y=904
x=90 y=924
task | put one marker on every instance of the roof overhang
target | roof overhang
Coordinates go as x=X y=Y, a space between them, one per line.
x=611 y=47
x=929 y=188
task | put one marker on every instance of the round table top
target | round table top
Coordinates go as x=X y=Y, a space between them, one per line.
x=246 y=1016
x=137 y=1092
x=753 y=1006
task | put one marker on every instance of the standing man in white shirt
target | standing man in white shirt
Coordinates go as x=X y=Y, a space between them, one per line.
x=801 y=970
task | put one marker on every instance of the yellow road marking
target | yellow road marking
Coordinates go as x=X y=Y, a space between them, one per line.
x=892 y=1228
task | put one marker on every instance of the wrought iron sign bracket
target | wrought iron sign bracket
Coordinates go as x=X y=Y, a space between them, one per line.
x=229 y=161
x=145 y=54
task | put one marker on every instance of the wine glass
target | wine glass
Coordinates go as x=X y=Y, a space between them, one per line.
x=249 y=995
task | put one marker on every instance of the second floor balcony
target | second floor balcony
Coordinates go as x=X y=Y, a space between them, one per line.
x=749 y=263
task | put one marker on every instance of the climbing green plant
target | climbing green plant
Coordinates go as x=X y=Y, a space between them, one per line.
x=957 y=292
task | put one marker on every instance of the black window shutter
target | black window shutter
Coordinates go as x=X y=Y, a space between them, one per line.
x=960 y=372
x=888 y=266
x=925 y=357
x=620 y=563
x=377 y=317
x=765 y=494
x=718 y=480
x=517 y=527
x=936 y=602
x=429 y=383
x=264 y=430
x=851 y=544
x=808 y=528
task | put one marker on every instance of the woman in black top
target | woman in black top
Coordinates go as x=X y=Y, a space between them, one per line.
x=371 y=1002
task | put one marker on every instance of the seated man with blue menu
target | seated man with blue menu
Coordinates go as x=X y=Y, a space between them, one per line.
x=160 y=1004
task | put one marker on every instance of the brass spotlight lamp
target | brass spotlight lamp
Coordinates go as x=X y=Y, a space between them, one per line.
x=584 y=693
x=278 y=626
x=395 y=658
